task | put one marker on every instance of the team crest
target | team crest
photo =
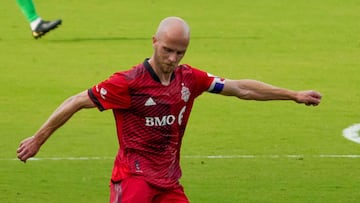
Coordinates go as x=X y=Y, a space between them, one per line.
x=185 y=93
x=103 y=92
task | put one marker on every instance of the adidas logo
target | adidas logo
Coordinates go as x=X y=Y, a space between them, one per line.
x=150 y=102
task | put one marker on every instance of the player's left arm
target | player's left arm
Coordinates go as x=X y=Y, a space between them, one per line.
x=256 y=90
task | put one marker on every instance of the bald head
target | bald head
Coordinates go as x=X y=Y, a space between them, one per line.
x=170 y=43
x=173 y=27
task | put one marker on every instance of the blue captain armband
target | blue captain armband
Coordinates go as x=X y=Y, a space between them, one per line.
x=217 y=85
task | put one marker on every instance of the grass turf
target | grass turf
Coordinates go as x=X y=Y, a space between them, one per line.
x=298 y=45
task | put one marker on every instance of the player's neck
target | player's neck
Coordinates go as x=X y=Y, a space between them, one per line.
x=165 y=78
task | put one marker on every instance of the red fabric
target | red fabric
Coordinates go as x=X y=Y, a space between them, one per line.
x=150 y=120
x=135 y=190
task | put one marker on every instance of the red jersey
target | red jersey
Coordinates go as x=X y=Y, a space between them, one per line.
x=151 y=119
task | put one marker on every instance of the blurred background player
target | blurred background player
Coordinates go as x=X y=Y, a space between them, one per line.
x=39 y=27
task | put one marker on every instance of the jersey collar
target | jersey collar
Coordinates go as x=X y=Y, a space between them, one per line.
x=152 y=72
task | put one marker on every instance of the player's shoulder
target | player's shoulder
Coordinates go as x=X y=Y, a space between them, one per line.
x=186 y=67
x=134 y=72
x=189 y=69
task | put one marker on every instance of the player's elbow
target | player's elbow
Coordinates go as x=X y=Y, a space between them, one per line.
x=80 y=101
x=245 y=94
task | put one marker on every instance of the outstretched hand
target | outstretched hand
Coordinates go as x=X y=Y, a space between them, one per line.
x=28 y=148
x=308 y=97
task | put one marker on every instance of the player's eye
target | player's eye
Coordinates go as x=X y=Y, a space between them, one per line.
x=180 y=53
x=168 y=50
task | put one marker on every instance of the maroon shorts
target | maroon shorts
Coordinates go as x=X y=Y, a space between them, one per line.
x=135 y=190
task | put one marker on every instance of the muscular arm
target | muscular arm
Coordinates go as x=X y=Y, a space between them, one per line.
x=30 y=146
x=256 y=90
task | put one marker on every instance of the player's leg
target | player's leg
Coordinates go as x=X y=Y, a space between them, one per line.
x=131 y=190
x=38 y=26
x=172 y=196
x=28 y=9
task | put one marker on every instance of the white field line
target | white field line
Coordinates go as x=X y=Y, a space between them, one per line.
x=290 y=156
x=352 y=133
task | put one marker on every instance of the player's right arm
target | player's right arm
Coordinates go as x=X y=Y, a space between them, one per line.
x=31 y=145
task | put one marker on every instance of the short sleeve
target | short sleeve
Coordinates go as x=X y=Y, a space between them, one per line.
x=208 y=82
x=112 y=93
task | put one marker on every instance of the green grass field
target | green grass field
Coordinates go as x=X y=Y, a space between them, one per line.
x=278 y=152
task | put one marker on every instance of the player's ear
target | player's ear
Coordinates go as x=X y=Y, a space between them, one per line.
x=154 y=40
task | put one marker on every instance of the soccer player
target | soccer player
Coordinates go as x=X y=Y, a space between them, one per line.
x=151 y=103
x=39 y=27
